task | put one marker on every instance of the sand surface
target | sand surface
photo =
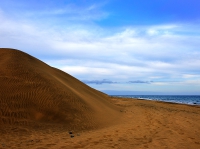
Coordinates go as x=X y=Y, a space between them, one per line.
x=40 y=106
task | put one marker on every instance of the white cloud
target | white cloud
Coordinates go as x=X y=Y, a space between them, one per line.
x=69 y=12
x=81 y=70
x=195 y=82
x=134 y=53
x=187 y=76
x=161 y=83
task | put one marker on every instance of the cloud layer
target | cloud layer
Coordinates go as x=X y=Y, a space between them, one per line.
x=104 y=81
x=75 y=39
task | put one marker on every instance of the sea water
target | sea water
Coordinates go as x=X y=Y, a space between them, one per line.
x=183 y=99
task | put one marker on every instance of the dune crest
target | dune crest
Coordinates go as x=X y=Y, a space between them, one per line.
x=34 y=94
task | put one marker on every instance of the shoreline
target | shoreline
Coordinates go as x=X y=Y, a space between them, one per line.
x=159 y=100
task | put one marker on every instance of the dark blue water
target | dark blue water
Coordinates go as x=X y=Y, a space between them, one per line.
x=186 y=99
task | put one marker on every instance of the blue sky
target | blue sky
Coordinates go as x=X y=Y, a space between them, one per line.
x=140 y=47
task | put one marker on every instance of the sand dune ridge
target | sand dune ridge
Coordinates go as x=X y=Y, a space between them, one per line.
x=33 y=92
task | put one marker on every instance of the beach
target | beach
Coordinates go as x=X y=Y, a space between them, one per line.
x=141 y=124
x=42 y=107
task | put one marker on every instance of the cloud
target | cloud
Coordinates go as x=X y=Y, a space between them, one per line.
x=188 y=76
x=139 y=81
x=125 y=52
x=75 y=13
x=104 y=81
x=58 y=13
x=161 y=53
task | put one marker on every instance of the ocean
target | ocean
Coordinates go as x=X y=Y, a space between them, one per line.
x=183 y=99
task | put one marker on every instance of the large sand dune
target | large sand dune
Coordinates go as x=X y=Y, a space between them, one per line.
x=34 y=94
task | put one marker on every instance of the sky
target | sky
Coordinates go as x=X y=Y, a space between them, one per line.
x=115 y=46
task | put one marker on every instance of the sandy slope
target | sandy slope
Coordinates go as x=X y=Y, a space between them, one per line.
x=35 y=94
x=40 y=104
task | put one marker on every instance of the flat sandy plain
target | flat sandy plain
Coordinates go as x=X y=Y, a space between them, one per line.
x=40 y=106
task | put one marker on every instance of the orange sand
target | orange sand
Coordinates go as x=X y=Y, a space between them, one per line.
x=39 y=105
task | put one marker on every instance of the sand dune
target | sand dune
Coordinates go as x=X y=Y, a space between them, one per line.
x=39 y=105
x=34 y=94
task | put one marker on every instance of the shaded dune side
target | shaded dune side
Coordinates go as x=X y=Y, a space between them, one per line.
x=32 y=93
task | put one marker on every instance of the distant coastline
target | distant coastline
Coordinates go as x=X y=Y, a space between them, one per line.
x=180 y=99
